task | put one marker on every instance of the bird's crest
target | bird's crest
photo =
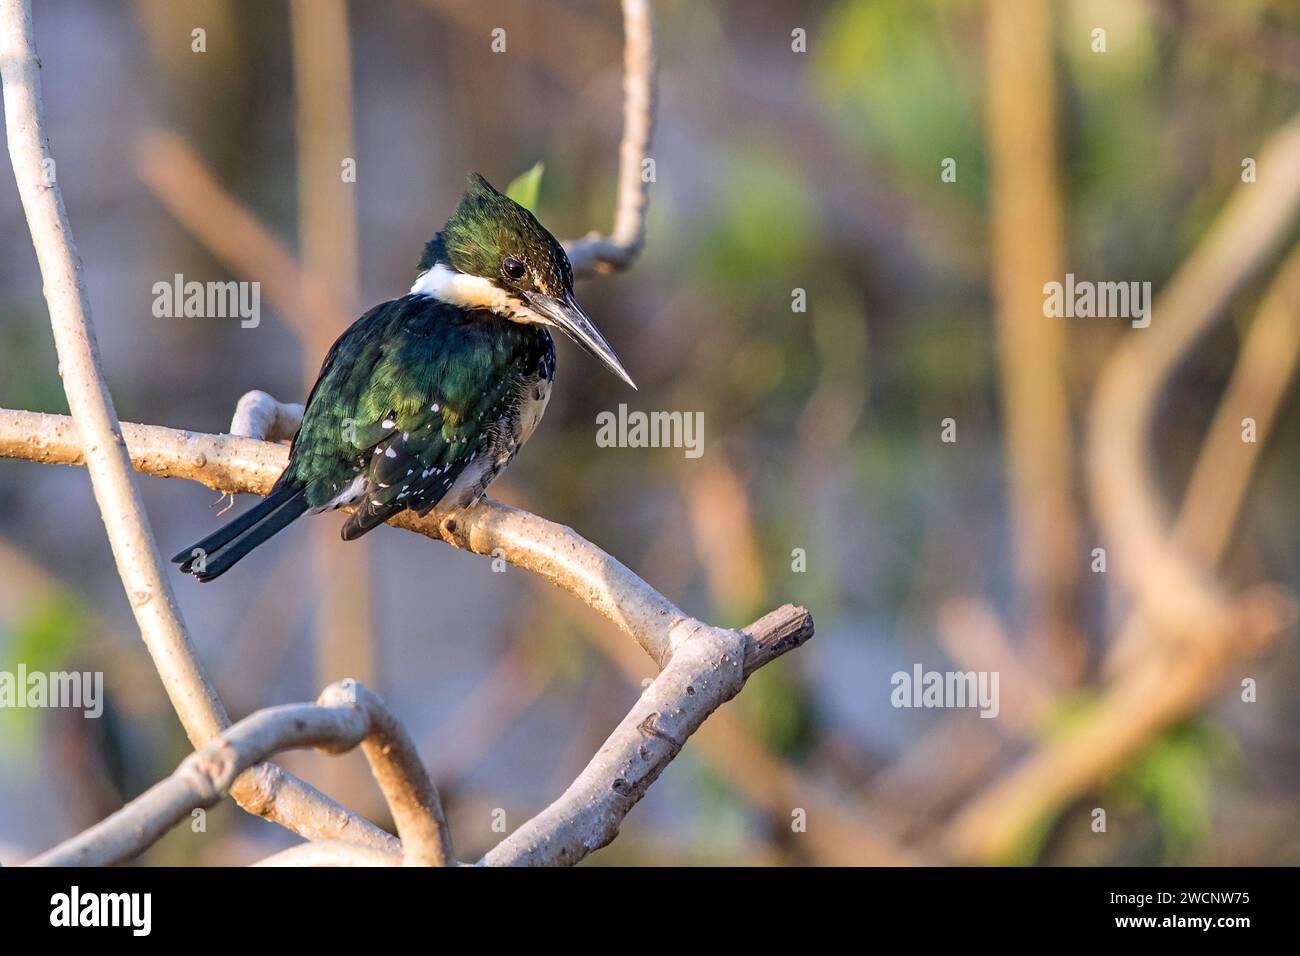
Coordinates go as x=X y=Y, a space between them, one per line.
x=486 y=227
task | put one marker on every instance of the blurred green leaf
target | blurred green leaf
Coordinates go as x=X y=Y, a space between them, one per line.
x=28 y=361
x=524 y=188
x=46 y=634
x=776 y=706
x=42 y=640
x=762 y=231
x=896 y=74
x=1172 y=776
x=1068 y=712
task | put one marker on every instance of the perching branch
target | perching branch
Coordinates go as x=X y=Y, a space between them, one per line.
x=235 y=465
x=346 y=714
x=703 y=666
x=594 y=252
x=268 y=791
x=586 y=816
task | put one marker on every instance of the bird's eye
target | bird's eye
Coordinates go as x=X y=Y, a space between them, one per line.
x=512 y=267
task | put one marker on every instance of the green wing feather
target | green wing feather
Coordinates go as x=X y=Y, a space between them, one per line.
x=408 y=395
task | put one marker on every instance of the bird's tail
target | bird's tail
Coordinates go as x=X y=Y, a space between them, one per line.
x=217 y=553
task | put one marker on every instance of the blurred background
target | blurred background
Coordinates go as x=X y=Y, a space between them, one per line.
x=824 y=480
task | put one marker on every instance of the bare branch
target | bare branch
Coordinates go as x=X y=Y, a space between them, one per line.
x=704 y=672
x=709 y=666
x=347 y=714
x=411 y=795
x=595 y=252
x=95 y=419
x=843 y=835
x=271 y=792
x=275 y=794
x=237 y=465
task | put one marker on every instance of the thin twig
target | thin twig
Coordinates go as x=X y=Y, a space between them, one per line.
x=594 y=252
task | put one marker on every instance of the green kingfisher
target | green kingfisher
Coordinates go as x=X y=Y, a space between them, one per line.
x=424 y=400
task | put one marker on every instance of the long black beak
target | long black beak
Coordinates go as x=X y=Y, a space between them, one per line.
x=568 y=316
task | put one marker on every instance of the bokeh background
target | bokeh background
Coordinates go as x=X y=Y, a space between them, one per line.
x=776 y=170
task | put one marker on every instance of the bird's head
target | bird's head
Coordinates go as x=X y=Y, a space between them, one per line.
x=493 y=254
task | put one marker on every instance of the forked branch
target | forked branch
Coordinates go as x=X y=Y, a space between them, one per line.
x=347 y=714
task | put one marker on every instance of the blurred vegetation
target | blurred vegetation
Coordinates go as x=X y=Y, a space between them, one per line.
x=44 y=638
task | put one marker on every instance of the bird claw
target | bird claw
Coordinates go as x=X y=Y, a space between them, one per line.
x=224 y=495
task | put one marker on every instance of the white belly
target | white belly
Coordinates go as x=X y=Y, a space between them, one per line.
x=531 y=410
x=485 y=466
